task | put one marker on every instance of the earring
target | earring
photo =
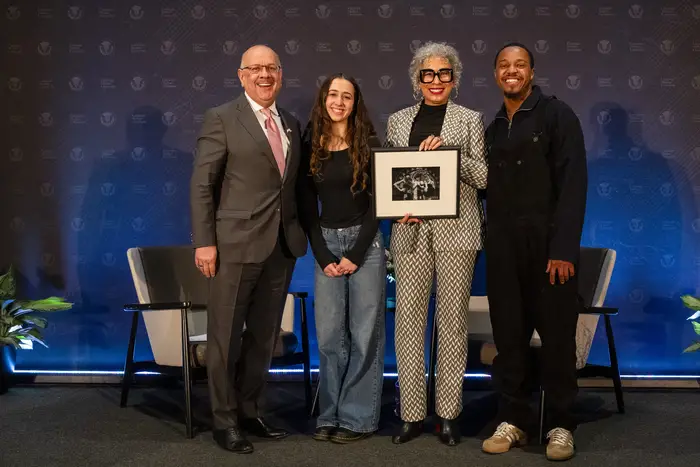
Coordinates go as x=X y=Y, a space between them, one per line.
x=417 y=95
x=456 y=93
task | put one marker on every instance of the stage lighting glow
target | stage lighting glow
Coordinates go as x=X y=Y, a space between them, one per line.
x=79 y=372
x=300 y=371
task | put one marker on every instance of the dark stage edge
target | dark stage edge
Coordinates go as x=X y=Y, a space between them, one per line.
x=84 y=426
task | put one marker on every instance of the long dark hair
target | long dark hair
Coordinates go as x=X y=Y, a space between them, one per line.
x=360 y=129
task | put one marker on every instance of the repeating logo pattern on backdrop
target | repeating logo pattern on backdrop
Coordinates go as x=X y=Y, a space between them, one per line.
x=101 y=126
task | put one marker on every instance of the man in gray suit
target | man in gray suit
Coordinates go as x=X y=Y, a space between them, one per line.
x=247 y=237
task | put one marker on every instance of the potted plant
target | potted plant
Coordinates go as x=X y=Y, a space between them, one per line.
x=694 y=304
x=20 y=321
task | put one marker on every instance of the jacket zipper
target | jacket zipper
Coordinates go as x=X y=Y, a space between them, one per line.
x=510 y=121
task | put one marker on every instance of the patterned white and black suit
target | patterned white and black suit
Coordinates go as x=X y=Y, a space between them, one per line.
x=447 y=248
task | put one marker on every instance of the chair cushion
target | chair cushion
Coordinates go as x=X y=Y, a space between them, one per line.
x=286 y=344
x=590 y=266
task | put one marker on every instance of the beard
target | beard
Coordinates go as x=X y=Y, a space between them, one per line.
x=524 y=91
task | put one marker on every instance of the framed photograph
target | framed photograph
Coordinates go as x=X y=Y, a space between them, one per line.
x=424 y=183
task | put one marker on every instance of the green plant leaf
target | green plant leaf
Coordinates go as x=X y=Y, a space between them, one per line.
x=34 y=332
x=693 y=348
x=46 y=304
x=20 y=331
x=691 y=302
x=21 y=311
x=696 y=326
x=29 y=337
x=10 y=340
x=11 y=321
x=37 y=321
x=8 y=285
x=35 y=336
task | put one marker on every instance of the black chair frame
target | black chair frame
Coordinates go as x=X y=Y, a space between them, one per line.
x=187 y=372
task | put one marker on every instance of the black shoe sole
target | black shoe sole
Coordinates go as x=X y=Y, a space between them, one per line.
x=449 y=443
x=265 y=435
x=398 y=440
x=345 y=440
x=321 y=437
x=242 y=452
x=237 y=451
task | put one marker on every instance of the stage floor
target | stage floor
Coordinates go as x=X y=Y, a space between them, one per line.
x=84 y=426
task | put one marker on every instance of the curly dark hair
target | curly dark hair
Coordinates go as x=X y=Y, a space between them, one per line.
x=360 y=130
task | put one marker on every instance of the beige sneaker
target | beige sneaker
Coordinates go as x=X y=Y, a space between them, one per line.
x=561 y=445
x=505 y=437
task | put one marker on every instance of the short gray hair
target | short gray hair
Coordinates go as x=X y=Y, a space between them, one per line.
x=437 y=50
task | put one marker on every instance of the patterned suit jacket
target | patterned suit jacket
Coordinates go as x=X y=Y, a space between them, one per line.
x=464 y=128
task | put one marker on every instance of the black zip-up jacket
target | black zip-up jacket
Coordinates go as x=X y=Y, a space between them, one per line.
x=537 y=172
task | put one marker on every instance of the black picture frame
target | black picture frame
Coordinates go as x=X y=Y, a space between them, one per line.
x=396 y=192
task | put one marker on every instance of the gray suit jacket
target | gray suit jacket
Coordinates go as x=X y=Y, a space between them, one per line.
x=237 y=196
x=464 y=128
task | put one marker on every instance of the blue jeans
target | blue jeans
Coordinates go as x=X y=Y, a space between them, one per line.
x=349 y=313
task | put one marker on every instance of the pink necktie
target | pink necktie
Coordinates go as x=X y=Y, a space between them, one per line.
x=275 y=139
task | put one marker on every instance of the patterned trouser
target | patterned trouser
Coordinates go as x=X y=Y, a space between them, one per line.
x=414 y=279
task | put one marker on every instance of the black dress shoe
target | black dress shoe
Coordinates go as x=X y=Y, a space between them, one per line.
x=233 y=440
x=323 y=433
x=346 y=436
x=258 y=427
x=408 y=431
x=447 y=431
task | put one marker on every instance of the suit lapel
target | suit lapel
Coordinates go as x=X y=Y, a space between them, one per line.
x=404 y=129
x=249 y=121
x=293 y=146
x=449 y=125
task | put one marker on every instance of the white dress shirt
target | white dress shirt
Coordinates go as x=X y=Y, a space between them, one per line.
x=258 y=110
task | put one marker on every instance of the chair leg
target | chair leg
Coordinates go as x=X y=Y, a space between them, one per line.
x=186 y=373
x=129 y=363
x=615 y=370
x=542 y=409
x=307 y=360
x=432 y=360
x=308 y=390
x=314 y=404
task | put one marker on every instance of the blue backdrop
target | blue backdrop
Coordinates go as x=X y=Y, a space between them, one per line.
x=102 y=101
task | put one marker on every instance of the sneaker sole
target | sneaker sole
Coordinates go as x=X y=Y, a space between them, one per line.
x=517 y=444
x=560 y=459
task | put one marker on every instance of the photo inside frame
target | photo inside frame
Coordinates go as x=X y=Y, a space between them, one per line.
x=415 y=183
x=422 y=183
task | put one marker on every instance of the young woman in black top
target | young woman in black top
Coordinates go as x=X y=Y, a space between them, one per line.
x=350 y=276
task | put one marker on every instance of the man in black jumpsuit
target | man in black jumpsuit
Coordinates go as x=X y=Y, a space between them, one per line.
x=536 y=200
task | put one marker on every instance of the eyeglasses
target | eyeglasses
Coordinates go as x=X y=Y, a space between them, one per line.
x=257 y=69
x=428 y=76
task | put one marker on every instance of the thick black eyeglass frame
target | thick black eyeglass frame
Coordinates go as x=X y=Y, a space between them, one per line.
x=423 y=74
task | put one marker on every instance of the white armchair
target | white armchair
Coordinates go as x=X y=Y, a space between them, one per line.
x=172 y=296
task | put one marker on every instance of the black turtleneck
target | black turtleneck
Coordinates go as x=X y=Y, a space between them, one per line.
x=428 y=122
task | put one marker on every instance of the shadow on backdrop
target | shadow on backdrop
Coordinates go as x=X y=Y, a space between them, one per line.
x=637 y=201
x=137 y=196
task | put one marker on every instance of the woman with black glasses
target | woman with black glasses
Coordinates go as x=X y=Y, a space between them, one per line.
x=442 y=248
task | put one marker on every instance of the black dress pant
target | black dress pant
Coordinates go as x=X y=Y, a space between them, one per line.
x=522 y=299
x=238 y=360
